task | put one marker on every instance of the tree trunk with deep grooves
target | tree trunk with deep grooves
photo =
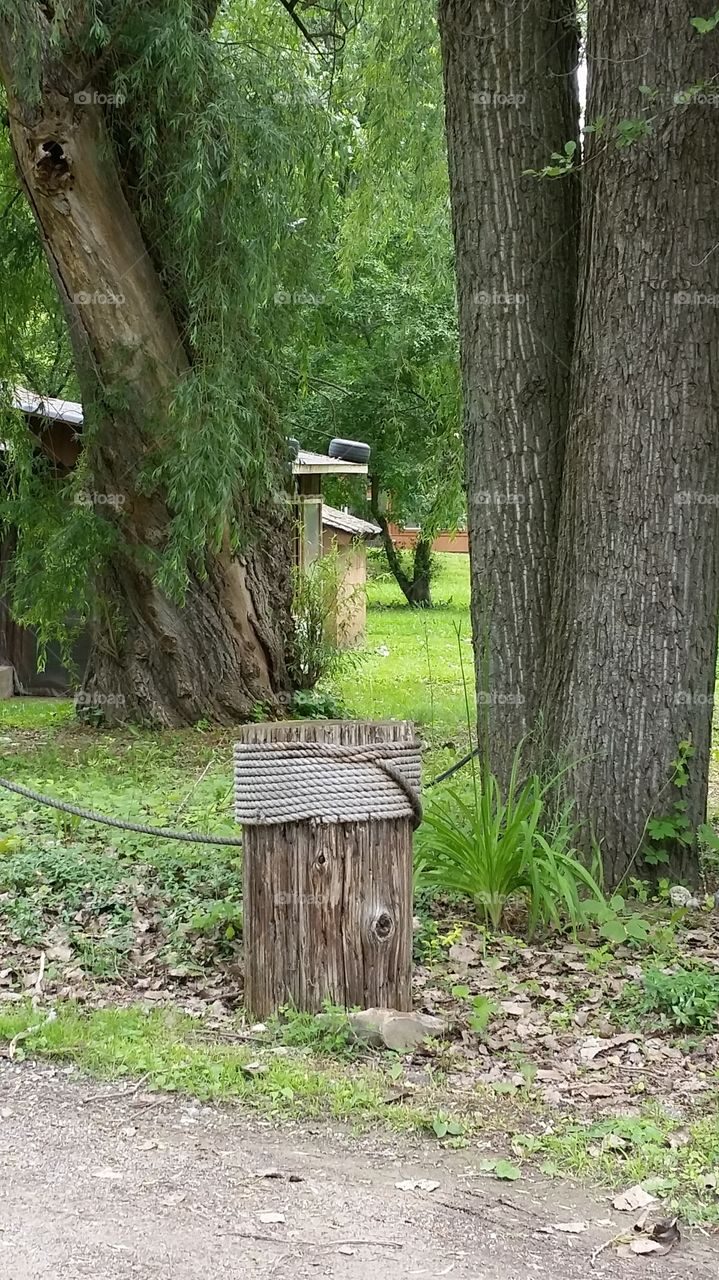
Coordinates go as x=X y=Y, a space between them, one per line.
x=223 y=649
x=327 y=912
x=510 y=100
x=635 y=615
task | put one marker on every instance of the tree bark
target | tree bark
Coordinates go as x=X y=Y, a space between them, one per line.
x=420 y=590
x=417 y=589
x=511 y=99
x=632 y=660
x=221 y=649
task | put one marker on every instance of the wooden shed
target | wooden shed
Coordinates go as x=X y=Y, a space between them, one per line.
x=349 y=536
x=57 y=424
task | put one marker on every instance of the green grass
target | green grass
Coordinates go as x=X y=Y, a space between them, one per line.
x=423 y=676
x=314 y=1075
x=678 y=1162
x=91 y=882
x=318 y=1076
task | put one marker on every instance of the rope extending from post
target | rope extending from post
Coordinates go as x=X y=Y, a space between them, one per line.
x=277 y=782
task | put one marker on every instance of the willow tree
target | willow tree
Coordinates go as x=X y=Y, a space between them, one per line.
x=168 y=169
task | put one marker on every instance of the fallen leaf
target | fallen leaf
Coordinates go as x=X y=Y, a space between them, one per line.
x=666 y=1233
x=571 y=1228
x=635 y=1198
x=502 y=1169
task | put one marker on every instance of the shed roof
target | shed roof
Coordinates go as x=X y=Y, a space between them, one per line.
x=306 y=463
x=47 y=406
x=342 y=520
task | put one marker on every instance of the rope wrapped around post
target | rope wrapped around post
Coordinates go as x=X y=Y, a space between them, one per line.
x=277 y=782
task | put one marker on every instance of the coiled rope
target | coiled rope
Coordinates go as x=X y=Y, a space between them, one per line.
x=392 y=792
x=283 y=781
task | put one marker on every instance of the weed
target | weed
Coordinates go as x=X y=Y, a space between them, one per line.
x=682 y=998
x=482 y=1009
x=317 y=704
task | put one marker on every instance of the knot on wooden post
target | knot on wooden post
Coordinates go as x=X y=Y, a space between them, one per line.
x=277 y=782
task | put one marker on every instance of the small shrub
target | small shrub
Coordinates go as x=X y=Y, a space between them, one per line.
x=317 y=704
x=492 y=847
x=684 y=998
x=317 y=597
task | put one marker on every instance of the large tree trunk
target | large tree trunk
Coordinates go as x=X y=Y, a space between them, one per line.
x=510 y=100
x=632 y=662
x=223 y=648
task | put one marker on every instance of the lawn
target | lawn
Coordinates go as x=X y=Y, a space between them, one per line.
x=551 y=1053
x=418 y=662
x=63 y=877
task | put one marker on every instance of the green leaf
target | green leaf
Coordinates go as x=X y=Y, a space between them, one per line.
x=460 y=992
x=704 y=25
x=614 y=930
x=506 y=1171
x=637 y=929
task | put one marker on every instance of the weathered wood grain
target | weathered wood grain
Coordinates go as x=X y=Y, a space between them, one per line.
x=328 y=908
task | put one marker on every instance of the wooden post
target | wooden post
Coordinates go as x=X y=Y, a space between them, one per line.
x=327 y=910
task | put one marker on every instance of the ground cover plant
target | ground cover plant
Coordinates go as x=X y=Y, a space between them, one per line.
x=587 y=1045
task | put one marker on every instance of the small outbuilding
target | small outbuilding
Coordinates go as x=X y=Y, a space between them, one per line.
x=349 y=535
x=56 y=423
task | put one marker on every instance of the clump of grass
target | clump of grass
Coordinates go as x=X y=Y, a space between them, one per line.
x=493 y=847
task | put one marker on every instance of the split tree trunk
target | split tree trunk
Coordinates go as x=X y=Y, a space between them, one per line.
x=417 y=589
x=223 y=649
x=327 y=909
x=632 y=664
x=511 y=99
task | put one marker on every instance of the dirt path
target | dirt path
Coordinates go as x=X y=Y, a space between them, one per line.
x=94 y=1184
